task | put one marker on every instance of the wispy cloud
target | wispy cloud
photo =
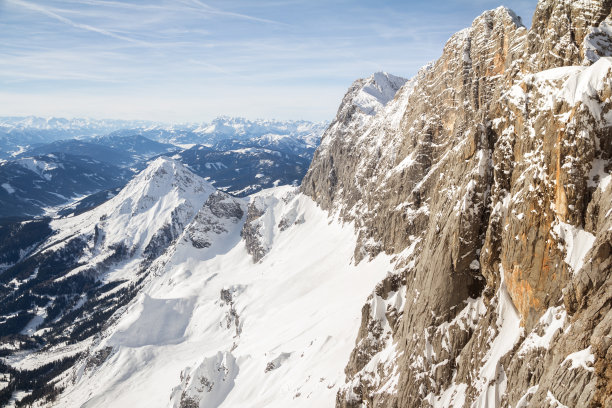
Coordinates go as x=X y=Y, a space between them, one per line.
x=50 y=13
x=19 y=76
x=195 y=59
x=213 y=10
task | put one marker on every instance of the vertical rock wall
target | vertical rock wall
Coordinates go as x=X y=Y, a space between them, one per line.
x=488 y=175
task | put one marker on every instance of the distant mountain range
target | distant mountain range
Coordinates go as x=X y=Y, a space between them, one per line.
x=236 y=155
x=16 y=133
x=19 y=133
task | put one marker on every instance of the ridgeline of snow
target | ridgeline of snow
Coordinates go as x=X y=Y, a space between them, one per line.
x=147 y=215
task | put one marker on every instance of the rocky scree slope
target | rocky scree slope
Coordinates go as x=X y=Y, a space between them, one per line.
x=488 y=176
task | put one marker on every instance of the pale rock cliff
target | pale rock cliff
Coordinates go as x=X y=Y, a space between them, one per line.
x=488 y=176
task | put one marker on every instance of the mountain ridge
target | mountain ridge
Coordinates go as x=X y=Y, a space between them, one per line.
x=470 y=210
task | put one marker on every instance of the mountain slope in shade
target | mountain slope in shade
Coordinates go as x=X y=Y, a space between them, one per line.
x=122 y=151
x=242 y=171
x=29 y=185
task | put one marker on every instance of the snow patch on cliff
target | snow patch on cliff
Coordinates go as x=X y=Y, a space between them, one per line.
x=598 y=43
x=491 y=381
x=580 y=359
x=551 y=323
x=576 y=244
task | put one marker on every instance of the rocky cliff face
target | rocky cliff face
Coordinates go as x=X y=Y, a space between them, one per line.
x=488 y=175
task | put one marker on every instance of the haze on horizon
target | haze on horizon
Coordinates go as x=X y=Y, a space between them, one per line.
x=190 y=60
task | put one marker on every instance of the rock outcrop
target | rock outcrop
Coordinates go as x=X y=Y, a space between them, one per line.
x=488 y=174
x=259 y=226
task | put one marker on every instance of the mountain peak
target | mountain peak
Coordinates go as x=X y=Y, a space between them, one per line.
x=164 y=174
x=376 y=91
x=485 y=22
x=503 y=12
x=569 y=32
x=155 y=205
x=165 y=163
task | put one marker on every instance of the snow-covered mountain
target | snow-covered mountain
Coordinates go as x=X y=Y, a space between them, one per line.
x=168 y=248
x=373 y=93
x=89 y=266
x=85 y=127
x=450 y=246
x=243 y=322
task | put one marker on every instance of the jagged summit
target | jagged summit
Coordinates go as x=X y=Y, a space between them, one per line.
x=365 y=99
x=376 y=91
x=503 y=12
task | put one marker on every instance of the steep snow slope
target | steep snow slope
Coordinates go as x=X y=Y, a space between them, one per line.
x=214 y=329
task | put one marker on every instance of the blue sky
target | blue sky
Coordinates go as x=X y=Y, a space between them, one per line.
x=193 y=60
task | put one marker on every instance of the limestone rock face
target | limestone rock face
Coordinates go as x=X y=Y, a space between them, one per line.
x=488 y=175
x=560 y=28
x=252 y=234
